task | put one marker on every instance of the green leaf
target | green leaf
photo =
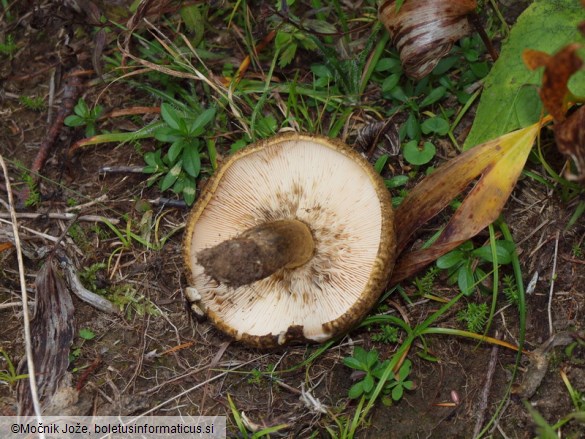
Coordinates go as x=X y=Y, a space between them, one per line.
x=197 y=126
x=171 y=176
x=86 y=334
x=436 y=125
x=356 y=390
x=419 y=155
x=385 y=64
x=450 y=259
x=176 y=149
x=171 y=116
x=504 y=250
x=405 y=369
x=368 y=383
x=397 y=393
x=189 y=191
x=381 y=162
x=74 y=120
x=510 y=98
x=353 y=363
x=360 y=354
x=81 y=109
x=191 y=161
x=412 y=127
x=194 y=22
x=372 y=358
x=435 y=95
x=465 y=280
x=287 y=55
x=166 y=134
x=396 y=181
x=390 y=82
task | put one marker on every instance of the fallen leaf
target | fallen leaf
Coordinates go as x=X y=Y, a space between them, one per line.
x=424 y=31
x=510 y=97
x=5 y=246
x=500 y=162
x=558 y=69
x=570 y=138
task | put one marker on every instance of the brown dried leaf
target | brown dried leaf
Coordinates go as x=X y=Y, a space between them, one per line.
x=99 y=41
x=381 y=134
x=424 y=30
x=500 y=162
x=51 y=337
x=558 y=69
x=570 y=137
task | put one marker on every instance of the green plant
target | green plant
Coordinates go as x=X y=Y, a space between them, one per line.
x=34 y=103
x=370 y=365
x=34 y=195
x=510 y=289
x=424 y=284
x=475 y=316
x=9 y=375
x=463 y=263
x=8 y=47
x=181 y=165
x=241 y=423
x=85 y=334
x=84 y=116
x=387 y=334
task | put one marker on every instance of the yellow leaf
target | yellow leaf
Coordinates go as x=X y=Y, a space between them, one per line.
x=500 y=162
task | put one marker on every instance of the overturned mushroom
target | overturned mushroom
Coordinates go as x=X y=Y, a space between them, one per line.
x=292 y=240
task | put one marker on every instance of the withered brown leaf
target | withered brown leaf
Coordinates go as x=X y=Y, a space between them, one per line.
x=558 y=69
x=570 y=137
x=424 y=30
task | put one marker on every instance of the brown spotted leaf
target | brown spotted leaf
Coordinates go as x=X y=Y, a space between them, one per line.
x=424 y=31
x=499 y=162
x=558 y=69
x=570 y=137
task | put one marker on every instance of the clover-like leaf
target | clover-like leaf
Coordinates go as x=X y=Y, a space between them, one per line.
x=419 y=155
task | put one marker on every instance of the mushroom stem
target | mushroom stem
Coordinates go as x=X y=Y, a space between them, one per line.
x=258 y=252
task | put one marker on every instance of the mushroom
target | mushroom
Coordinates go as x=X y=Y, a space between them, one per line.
x=292 y=240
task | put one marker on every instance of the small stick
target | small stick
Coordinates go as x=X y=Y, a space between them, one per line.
x=62 y=216
x=552 y=285
x=483 y=402
x=473 y=18
x=26 y=316
x=121 y=170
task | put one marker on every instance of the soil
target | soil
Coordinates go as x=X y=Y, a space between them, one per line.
x=148 y=357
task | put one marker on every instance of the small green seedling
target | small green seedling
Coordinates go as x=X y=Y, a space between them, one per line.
x=181 y=165
x=369 y=363
x=9 y=375
x=463 y=263
x=416 y=154
x=84 y=116
x=387 y=334
x=85 y=334
x=475 y=316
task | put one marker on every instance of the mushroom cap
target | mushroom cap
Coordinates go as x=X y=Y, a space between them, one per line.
x=338 y=195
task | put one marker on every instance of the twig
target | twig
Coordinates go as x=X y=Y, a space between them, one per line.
x=483 y=402
x=121 y=170
x=81 y=207
x=25 y=312
x=552 y=285
x=14 y=305
x=62 y=216
x=71 y=92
